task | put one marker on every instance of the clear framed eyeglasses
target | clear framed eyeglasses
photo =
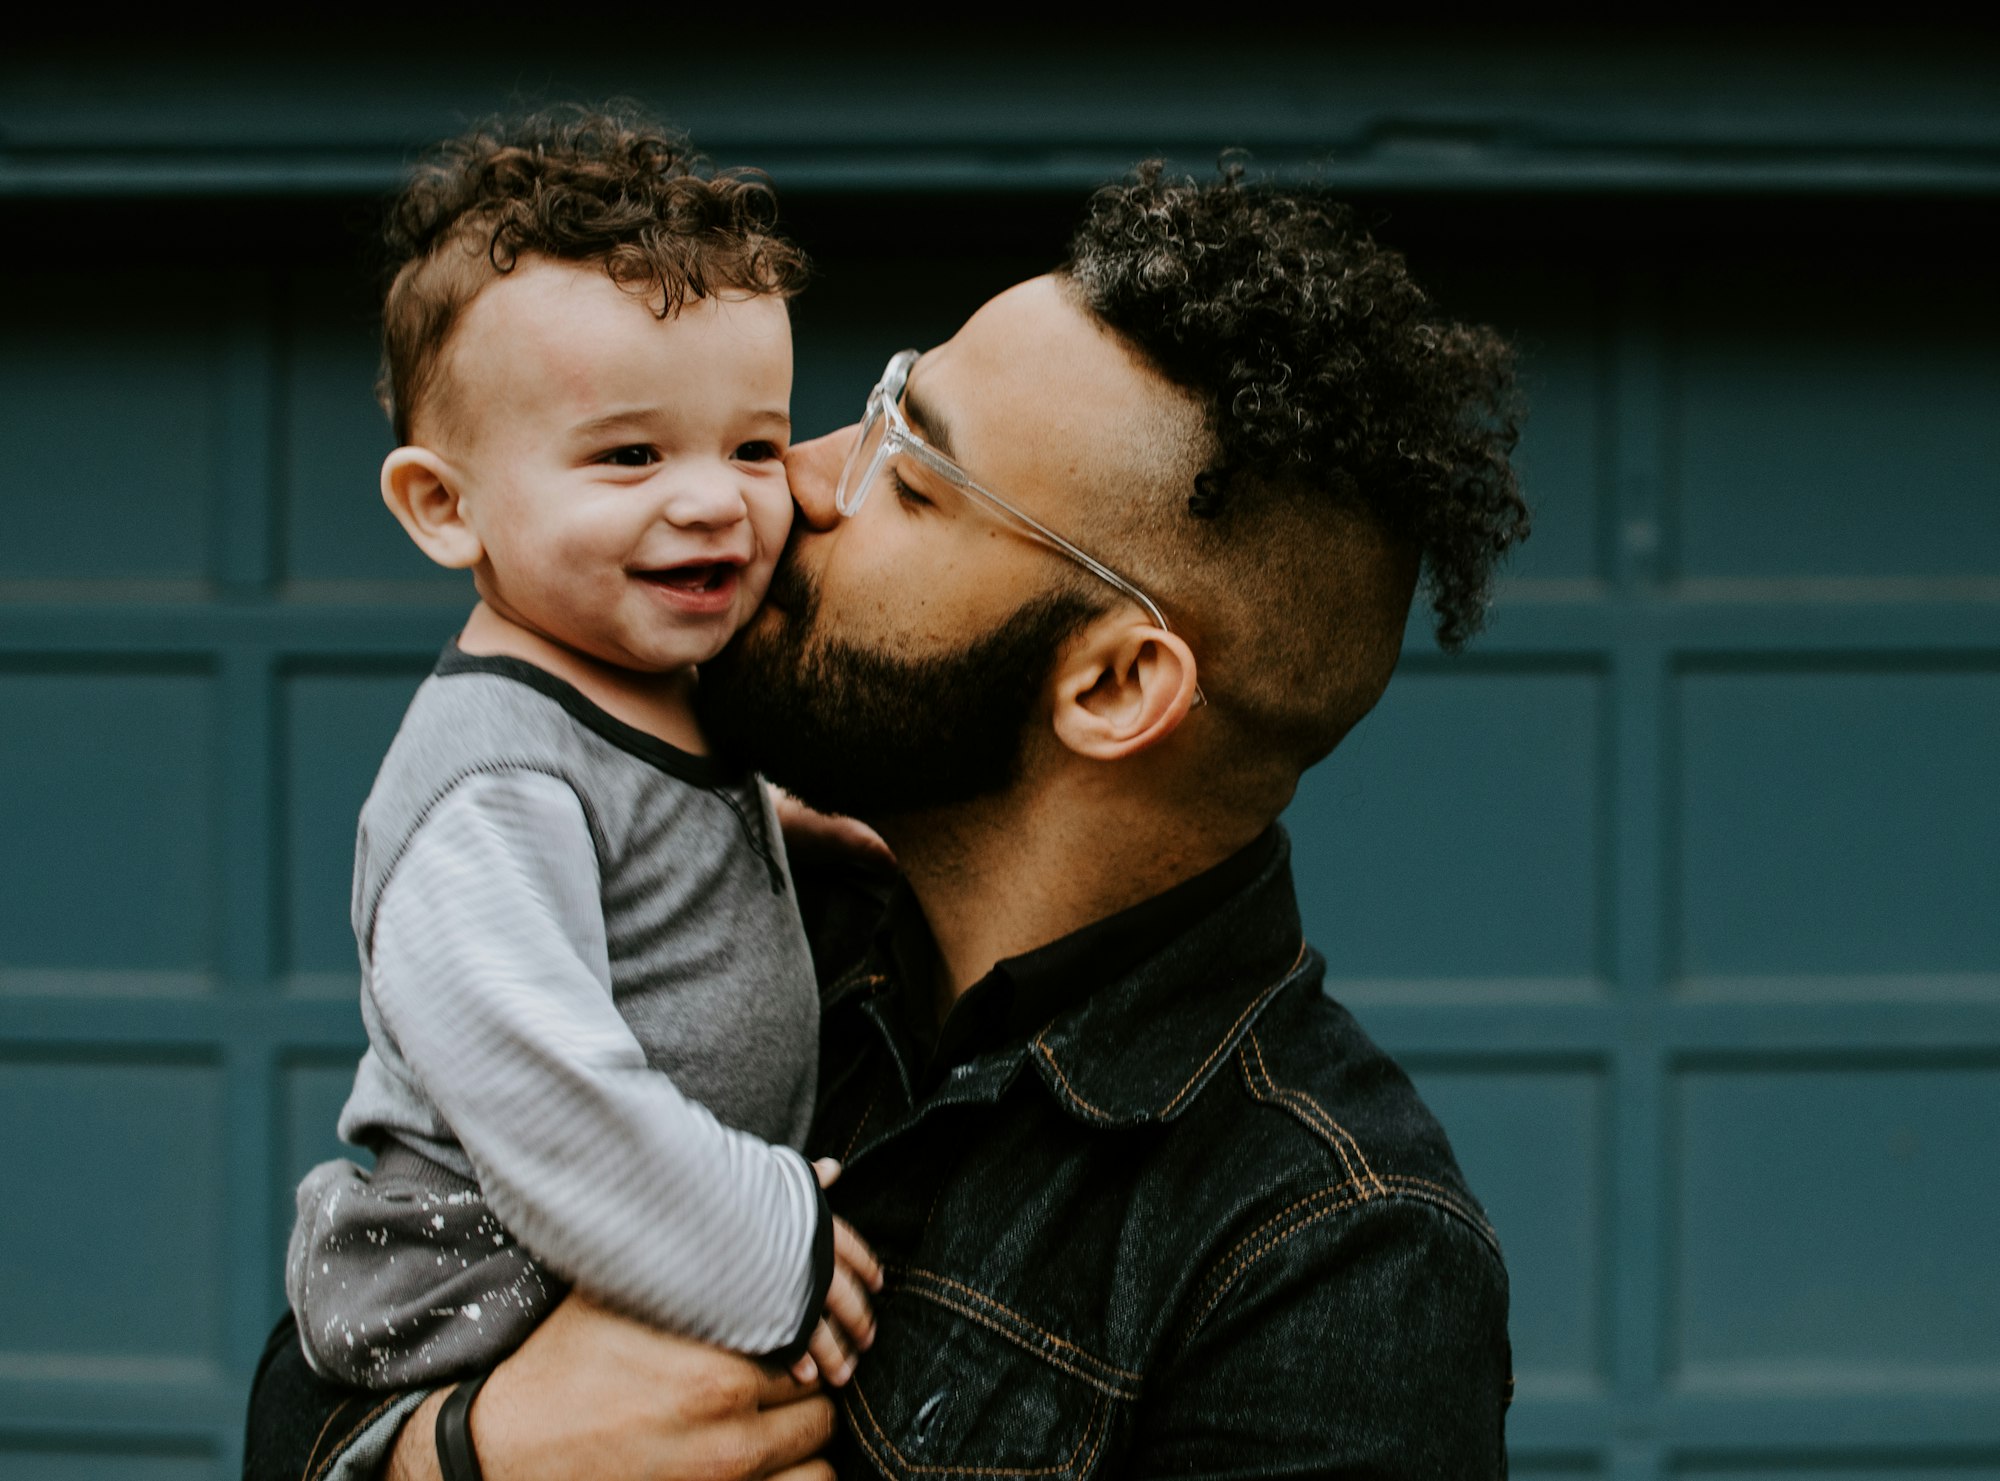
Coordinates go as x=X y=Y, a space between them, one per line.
x=885 y=434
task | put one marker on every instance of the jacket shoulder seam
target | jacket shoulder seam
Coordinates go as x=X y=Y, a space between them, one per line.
x=1263 y=1086
x=1315 y=1208
x=1257 y=1078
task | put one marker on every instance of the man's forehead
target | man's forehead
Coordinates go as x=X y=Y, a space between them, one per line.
x=1031 y=344
x=1033 y=387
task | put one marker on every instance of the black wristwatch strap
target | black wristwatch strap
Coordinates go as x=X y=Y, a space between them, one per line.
x=457 y=1461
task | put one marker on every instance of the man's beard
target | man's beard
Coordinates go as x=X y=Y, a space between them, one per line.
x=854 y=730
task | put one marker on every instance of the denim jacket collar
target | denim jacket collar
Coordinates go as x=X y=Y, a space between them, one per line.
x=1137 y=1047
x=1141 y=1047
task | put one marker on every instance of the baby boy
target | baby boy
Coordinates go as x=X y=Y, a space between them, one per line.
x=590 y=1007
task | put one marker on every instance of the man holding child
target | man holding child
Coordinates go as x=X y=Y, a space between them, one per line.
x=1064 y=616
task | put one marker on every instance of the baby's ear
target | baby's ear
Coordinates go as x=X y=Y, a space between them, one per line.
x=423 y=491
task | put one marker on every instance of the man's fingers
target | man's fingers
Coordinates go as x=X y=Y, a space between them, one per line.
x=827 y=1169
x=789 y=1435
x=812 y=1470
x=851 y=1250
x=777 y=1387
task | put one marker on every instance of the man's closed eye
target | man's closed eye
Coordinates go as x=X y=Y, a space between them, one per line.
x=907 y=495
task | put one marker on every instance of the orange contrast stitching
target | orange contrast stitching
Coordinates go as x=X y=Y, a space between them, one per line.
x=1049 y=1055
x=1446 y=1202
x=930 y=1214
x=973 y=1314
x=986 y=1300
x=367 y=1419
x=1307 y=1104
x=1312 y=1108
x=1442 y=1198
x=1250 y=1080
x=1222 y=1044
x=321 y=1436
x=1041 y=1043
x=1252 y=1258
x=1447 y=1199
x=861 y=1125
x=1285 y=1213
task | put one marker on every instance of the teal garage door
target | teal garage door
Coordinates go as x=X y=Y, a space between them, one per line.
x=1679 y=894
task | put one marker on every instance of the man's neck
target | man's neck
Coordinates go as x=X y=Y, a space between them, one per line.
x=1004 y=876
x=661 y=705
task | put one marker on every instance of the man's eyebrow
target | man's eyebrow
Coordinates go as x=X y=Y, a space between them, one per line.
x=925 y=418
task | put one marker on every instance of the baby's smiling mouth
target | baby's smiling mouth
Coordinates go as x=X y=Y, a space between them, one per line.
x=702 y=589
x=699 y=576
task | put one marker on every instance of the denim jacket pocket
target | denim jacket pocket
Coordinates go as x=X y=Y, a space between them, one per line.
x=957 y=1385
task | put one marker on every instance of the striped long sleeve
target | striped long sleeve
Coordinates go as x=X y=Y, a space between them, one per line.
x=489 y=972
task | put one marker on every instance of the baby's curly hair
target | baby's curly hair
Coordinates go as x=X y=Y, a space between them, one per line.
x=606 y=185
x=1320 y=363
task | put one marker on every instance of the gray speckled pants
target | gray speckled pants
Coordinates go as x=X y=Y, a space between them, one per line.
x=402 y=1277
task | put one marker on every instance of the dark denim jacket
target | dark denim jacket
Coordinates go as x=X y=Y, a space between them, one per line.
x=1198 y=1224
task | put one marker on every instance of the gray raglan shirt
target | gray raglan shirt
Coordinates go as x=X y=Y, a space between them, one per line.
x=586 y=988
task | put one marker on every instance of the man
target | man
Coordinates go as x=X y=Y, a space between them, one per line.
x=1066 y=616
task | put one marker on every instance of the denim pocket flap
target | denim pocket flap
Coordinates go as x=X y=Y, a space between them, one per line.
x=957 y=1385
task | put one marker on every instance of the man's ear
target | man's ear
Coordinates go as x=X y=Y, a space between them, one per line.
x=1122 y=688
x=425 y=494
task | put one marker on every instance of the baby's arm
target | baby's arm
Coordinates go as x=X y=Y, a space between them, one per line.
x=492 y=976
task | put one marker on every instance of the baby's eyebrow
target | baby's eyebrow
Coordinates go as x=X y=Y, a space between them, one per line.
x=613 y=420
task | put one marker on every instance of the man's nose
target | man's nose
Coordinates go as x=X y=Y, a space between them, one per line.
x=814 y=469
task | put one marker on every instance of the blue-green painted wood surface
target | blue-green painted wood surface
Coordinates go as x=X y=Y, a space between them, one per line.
x=1678 y=895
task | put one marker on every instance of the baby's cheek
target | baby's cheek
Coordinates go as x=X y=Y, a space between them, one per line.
x=771 y=512
x=756 y=582
x=772 y=509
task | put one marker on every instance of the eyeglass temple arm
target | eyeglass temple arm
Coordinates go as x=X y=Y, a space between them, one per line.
x=945 y=468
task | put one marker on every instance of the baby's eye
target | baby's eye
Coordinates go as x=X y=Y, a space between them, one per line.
x=758 y=452
x=638 y=455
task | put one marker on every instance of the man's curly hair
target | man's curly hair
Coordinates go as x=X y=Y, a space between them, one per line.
x=1320 y=363
x=605 y=185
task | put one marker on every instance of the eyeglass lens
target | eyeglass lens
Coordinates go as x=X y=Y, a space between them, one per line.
x=860 y=470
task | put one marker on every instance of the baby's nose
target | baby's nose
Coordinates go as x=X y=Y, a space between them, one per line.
x=705 y=498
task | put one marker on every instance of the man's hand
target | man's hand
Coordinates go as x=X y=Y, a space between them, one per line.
x=593 y=1396
x=847 y=1329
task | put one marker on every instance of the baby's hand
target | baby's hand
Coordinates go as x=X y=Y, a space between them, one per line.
x=847 y=1327
x=809 y=831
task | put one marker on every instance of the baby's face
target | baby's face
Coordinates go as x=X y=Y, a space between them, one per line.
x=624 y=473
